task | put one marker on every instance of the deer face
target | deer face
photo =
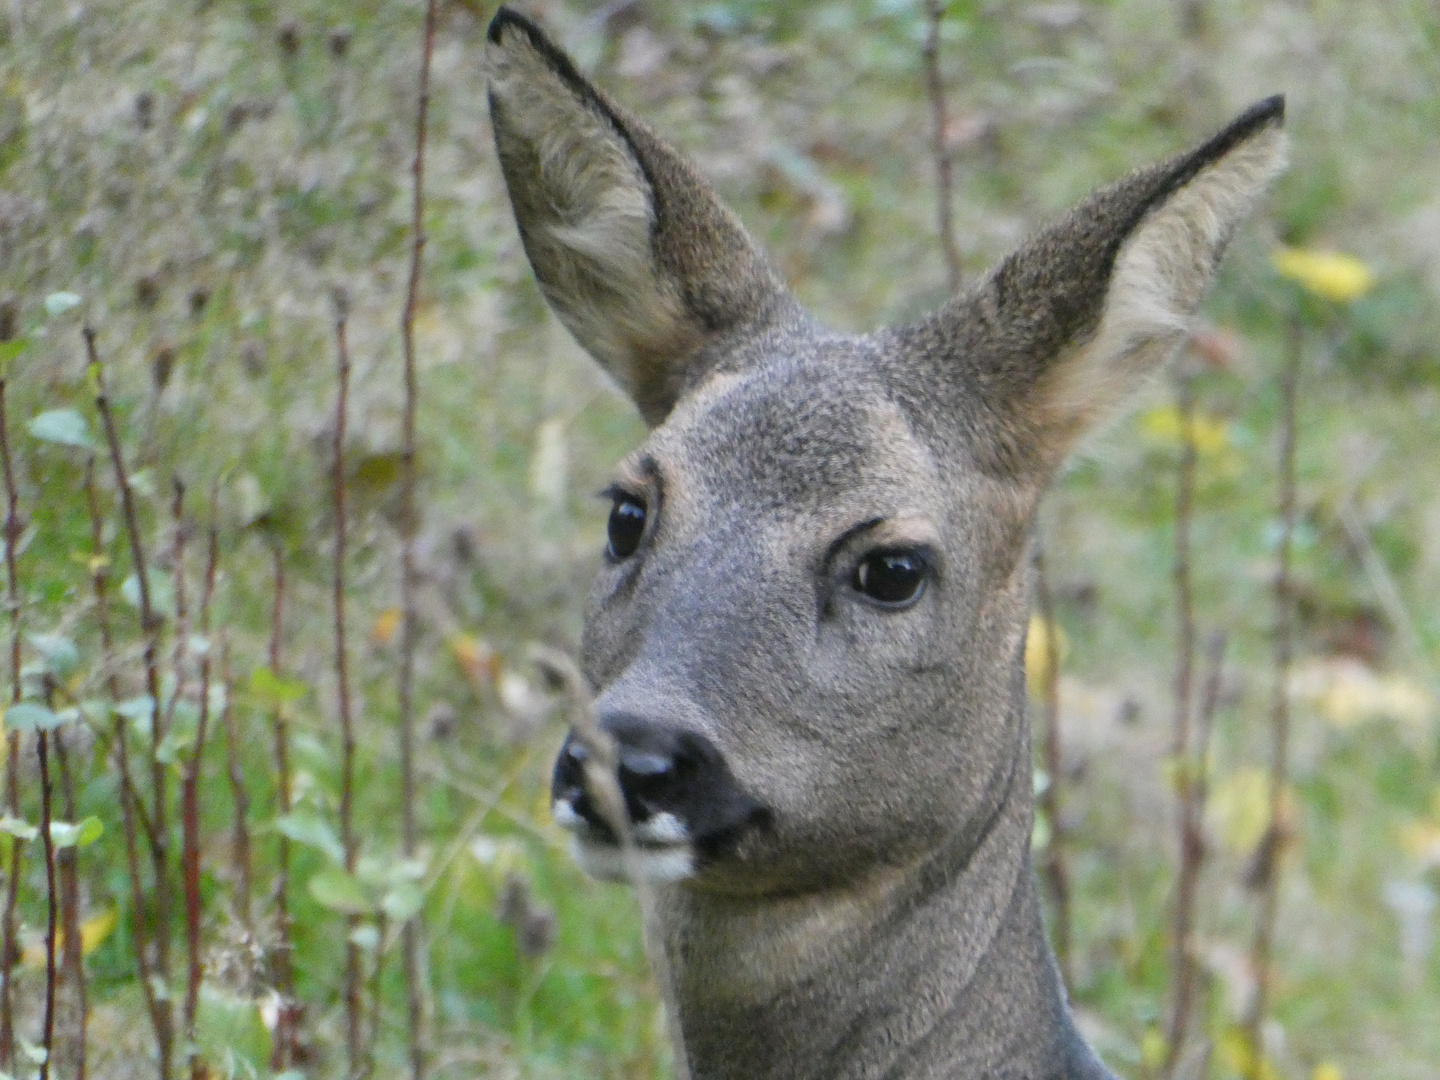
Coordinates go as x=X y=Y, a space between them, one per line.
x=790 y=632
x=806 y=632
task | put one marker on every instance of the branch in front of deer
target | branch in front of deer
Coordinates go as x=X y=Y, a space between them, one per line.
x=130 y=808
x=8 y=945
x=1057 y=872
x=158 y=833
x=1264 y=872
x=940 y=132
x=410 y=931
x=602 y=779
x=190 y=802
x=353 y=1034
x=1192 y=857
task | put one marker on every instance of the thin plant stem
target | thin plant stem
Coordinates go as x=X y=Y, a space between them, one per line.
x=150 y=628
x=602 y=778
x=240 y=796
x=281 y=1052
x=190 y=813
x=129 y=797
x=12 y=740
x=1192 y=853
x=353 y=1032
x=1266 y=873
x=74 y=957
x=939 y=144
x=47 y=1030
x=1057 y=872
x=410 y=931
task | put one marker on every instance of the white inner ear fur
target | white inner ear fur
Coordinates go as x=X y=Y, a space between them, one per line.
x=1160 y=277
x=593 y=252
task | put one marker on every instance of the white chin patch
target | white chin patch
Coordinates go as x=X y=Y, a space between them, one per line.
x=608 y=862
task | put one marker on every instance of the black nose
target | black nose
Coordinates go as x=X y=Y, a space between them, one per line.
x=661 y=770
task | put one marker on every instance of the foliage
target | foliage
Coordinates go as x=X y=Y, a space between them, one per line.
x=195 y=181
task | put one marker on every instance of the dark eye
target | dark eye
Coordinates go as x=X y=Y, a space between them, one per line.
x=892 y=578
x=627 y=526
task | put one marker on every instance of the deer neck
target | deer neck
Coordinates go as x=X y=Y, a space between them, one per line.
x=939 y=969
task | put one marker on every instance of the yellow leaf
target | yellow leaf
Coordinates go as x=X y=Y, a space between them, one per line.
x=1037 y=654
x=1347 y=693
x=386 y=623
x=1239 y=810
x=1165 y=425
x=1325 y=273
x=1153 y=1048
x=93 y=932
x=476 y=658
x=1421 y=841
x=1327 y=1070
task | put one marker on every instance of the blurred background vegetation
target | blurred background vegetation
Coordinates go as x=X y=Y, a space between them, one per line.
x=204 y=176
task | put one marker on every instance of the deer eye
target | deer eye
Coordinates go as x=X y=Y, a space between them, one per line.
x=891 y=578
x=627 y=526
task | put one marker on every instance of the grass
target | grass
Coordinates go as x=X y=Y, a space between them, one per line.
x=203 y=175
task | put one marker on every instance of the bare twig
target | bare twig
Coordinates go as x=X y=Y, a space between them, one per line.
x=12 y=740
x=129 y=797
x=410 y=932
x=1267 y=860
x=1192 y=853
x=47 y=1030
x=282 y=1049
x=74 y=957
x=150 y=628
x=940 y=125
x=190 y=813
x=353 y=1034
x=240 y=797
x=1057 y=873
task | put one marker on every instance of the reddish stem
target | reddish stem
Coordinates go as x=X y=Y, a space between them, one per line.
x=150 y=627
x=408 y=523
x=8 y=949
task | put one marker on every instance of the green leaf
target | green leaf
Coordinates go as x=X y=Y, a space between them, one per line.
x=65 y=426
x=9 y=350
x=58 y=303
x=339 y=891
x=18 y=827
x=162 y=592
x=28 y=716
x=138 y=710
x=275 y=690
x=402 y=902
x=61 y=656
x=63 y=834
x=91 y=829
x=311 y=831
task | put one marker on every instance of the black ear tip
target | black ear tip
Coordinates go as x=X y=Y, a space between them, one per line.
x=1269 y=111
x=506 y=17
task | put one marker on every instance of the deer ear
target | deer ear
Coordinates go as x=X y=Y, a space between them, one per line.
x=632 y=249
x=1062 y=331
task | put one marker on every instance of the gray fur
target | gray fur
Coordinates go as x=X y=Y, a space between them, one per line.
x=886 y=924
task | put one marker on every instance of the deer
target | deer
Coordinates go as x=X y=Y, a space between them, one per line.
x=805 y=638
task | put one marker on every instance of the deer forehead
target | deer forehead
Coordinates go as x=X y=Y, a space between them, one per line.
x=817 y=441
